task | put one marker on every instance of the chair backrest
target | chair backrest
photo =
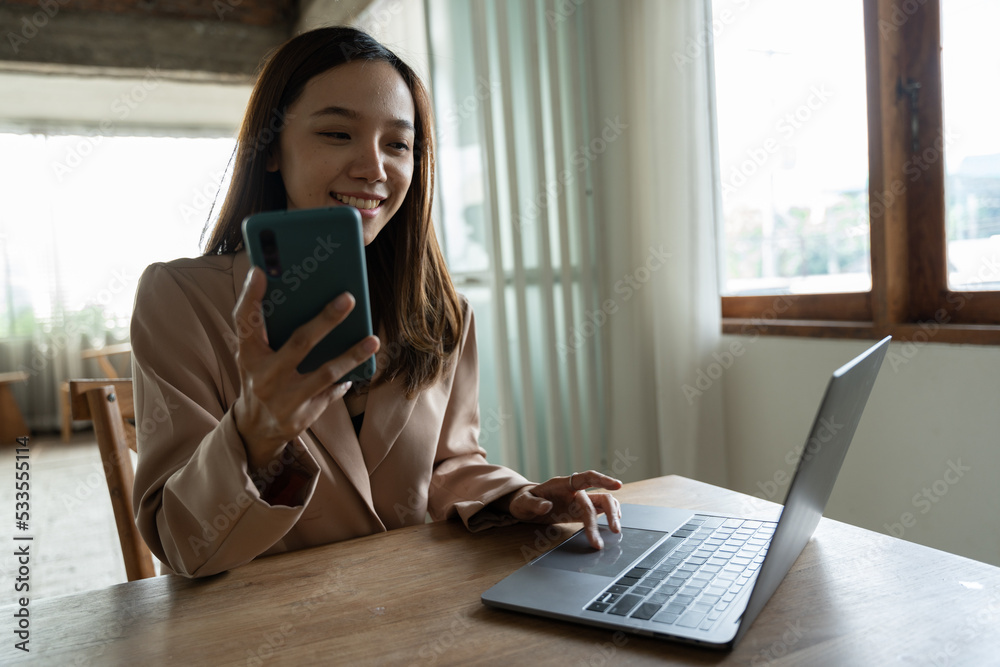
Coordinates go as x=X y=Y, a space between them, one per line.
x=108 y=403
x=103 y=356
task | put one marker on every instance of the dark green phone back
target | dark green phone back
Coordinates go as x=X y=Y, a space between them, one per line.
x=320 y=254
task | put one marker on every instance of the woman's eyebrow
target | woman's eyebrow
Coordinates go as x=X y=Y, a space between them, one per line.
x=351 y=114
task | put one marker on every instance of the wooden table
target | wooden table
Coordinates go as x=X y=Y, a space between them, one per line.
x=411 y=596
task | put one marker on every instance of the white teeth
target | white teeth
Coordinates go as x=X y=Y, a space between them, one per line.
x=358 y=203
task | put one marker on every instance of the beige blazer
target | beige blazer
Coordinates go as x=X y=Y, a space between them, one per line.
x=196 y=504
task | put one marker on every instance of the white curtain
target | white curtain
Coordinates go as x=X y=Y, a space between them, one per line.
x=541 y=235
x=653 y=63
x=673 y=99
x=518 y=226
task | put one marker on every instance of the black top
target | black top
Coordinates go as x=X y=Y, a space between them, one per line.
x=357 y=420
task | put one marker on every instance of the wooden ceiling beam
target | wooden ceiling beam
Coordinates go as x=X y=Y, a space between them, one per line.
x=71 y=40
x=279 y=13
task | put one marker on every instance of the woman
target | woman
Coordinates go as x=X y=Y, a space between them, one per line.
x=254 y=458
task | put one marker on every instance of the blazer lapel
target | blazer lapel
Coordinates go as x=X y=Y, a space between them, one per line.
x=335 y=433
x=387 y=412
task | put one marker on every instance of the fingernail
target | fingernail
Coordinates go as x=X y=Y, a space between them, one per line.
x=342 y=302
x=346 y=386
x=371 y=344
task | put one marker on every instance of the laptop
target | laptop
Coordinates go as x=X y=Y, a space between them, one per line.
x=696 y=577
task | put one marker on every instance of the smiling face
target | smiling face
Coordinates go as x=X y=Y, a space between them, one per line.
x=348 y=141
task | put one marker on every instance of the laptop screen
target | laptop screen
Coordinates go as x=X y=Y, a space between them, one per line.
x=819 y=463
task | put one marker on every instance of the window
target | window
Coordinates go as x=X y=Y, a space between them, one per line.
x=859 y=168
x=84 y=215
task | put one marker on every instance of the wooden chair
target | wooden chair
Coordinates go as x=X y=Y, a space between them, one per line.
x=108 y=403
x=103 y=357
x=12 y=425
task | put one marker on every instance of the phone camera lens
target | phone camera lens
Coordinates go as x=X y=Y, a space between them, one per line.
x=269 y=246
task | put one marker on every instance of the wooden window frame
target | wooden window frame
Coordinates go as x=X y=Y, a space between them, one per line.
x=910 y=298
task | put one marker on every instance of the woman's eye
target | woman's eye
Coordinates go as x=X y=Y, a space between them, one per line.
x=334 y=135
x=400 y=146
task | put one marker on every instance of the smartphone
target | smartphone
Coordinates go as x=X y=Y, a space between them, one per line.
x=310 y=257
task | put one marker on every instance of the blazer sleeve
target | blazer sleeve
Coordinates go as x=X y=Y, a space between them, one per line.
x=464 y=483
x=196 y=504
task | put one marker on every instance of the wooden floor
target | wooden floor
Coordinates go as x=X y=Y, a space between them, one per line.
x=75 y=546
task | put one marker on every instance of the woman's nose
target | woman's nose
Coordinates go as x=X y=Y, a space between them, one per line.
x=368 y=164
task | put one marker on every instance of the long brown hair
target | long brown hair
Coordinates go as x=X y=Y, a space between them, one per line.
x=412 y=295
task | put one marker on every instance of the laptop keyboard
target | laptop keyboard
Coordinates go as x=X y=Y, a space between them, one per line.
x=691 y=578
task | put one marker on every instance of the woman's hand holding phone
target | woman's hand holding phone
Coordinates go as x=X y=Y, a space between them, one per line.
x=276 y=402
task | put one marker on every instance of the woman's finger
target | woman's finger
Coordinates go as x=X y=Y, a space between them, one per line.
x=248 y=316
x=305 y=338
x=327 y=375
x=609 y=505
x=528 y=506
x=593 y=479
x=589 y=518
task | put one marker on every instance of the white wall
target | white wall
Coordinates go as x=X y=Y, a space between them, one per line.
x=932 y=426
x=142 y=103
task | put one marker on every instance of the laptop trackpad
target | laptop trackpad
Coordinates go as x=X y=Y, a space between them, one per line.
x=576 y=554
